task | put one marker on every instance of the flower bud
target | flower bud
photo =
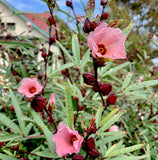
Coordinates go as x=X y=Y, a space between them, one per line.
x=51 y=20
x=103 y=3
x=9 y=36
x=63 y=72
x=112 y=98
x=59 y=57
x=106 y=88
x=114 y=128
x=38 y=103
x=90 y=143
x=95 y=88
x=89 y=26
x=1 y=143
x=88 y=78
x=76 y=99
x=69 y=3
x=80 y=108
x=78 y=157
x=40 y=76
x=52 y=39
x=11 y=108
x=94 y=153
x=104 y=15
x=44 y=54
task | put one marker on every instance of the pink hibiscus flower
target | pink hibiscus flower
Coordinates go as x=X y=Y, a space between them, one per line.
x=67 y=141
x=51 y=102
x=80 y=18
x=29 y=87
x=107 y=42
x=114 y=128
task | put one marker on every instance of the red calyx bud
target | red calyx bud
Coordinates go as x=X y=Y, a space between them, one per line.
x=1 y=143
x=80 y=108
x=69 y=3
x=11 y=108
x=9 y=36
x=90 y=143
x=16 y=147
x=59 y=57
x=89 y=26
x=106 y=88
x=82 y=43
x=111 y=99
x=23 y=158
x=95 y=88
x=52 y=39
x=40 y=76
x=51 y=20
x=100 y=63
x=63 y=72
x=88 y=78
x=103 y=3
x=94 y=153
x=104 y=15
x=38 y=103
x=44 y=54
x=76 y=99
x=78 y=157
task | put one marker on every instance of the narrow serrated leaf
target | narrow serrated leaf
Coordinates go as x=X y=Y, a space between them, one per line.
x=127 y=80
x=69 y=108
x=110 y=122
x=125 y=150
x=9 y=137
x=5 y=157
x=98 y=116
x=108 y=116
x=44 y=129
x=65 y=51
x=18 y=111
x=90 y=8
x=85 y=58
x=9 y=123
x=127 y=30
x=76 y=49
x=142 y=85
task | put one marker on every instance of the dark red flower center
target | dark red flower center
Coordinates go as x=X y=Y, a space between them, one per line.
x=73 y=138
x=32 y=90
x=101 y=49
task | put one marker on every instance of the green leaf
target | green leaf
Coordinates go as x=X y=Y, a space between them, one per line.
x=127 y=30
x=124 y=150
x=17 y=44
x=115 y=69
x=9 y=123
x=90 y=8
x=130 y=157
x=110 y=139
x=127 y=80
x=44 y=129
x=108 y=116
x=142 y=85
x=69 y=108
x=98 y=116
x=85 y=58
x=23 y=71
x=110 y=122
x=76 y=49
x=65 y=51
x=9 y=137
x=112 y=133
x=64 y=66
x=5 y=157
x=46 y=154
x=18 y=111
